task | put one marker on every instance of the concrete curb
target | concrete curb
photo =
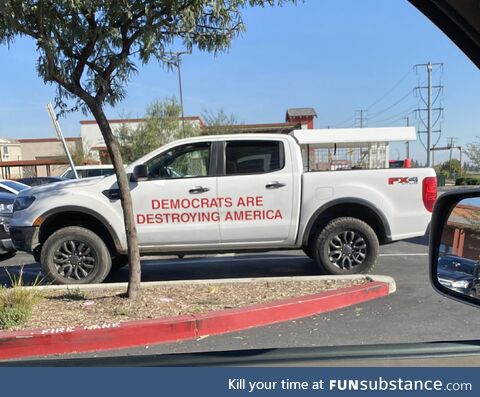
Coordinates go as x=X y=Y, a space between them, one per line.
x=146 y=332
x=150 y=284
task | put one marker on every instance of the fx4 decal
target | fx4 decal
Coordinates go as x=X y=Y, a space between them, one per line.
x=403 y=180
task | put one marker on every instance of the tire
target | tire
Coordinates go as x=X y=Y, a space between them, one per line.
x=119 y=262
x=75 y=255
x=346 y=246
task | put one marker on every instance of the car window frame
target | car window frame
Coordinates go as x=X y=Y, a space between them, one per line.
x=223 y=156
x=212 y=162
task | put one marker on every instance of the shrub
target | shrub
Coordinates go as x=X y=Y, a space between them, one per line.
x=75 y=294
x=17 y=302
x=14 y=315
x=473 y=181
x=469 y=180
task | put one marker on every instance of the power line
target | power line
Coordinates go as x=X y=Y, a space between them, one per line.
x=397 y=116
x=353 y=120
x=393 y=104
x=402 y=79
x=388 y=92
x=343 y=122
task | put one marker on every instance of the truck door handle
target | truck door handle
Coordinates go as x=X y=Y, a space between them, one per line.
x=198 y=190
x=275 y=185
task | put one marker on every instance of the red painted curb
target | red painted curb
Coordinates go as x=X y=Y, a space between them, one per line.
x=147 y=332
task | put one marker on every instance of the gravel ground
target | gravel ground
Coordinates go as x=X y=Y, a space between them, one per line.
x=58 y=309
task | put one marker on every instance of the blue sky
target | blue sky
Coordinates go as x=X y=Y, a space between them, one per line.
x=336 y=56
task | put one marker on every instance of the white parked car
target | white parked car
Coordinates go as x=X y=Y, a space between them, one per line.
x=245 y=192
x=88 y=171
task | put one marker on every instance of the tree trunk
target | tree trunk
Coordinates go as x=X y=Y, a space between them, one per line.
x=125 y=198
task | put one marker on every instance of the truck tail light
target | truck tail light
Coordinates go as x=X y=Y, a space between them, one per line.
x=429 y=192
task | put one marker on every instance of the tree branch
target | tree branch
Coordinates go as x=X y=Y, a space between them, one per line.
x=87 y=49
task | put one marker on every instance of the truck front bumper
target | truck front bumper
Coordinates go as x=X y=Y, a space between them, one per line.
x=25 y=238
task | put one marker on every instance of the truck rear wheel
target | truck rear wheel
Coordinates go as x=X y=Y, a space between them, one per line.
x=346 y=246
x=75 y=255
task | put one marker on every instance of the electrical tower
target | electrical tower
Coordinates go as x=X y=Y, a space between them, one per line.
x=361 y=118
x=433 y=113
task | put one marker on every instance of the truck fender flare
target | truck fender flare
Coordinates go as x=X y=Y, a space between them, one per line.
x=347 y=200
x=88 y=211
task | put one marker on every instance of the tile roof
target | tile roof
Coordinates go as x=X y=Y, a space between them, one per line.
x=298 y=112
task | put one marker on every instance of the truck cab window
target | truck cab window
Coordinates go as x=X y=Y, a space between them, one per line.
x=253 y=157
x=186 y=161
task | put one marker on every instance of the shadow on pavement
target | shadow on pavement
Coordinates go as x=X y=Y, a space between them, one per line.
x=419 y=240
x=190 y=268
x=194 y=268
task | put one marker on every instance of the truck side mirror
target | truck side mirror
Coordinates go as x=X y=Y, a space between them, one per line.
x=455 y=246
x=140 y=173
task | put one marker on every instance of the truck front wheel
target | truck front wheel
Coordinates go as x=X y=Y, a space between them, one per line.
x=75 y=255
x=346 y=246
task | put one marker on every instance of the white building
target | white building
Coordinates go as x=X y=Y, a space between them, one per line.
x=93 y=140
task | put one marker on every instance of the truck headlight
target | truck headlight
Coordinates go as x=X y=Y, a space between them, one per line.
x=6 y=208
x=460 y=284
x=23 y=202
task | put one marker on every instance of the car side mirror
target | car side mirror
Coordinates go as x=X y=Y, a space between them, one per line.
x=140 y=173
x=455 y=246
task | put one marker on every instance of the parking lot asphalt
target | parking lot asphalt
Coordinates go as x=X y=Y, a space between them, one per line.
x=414 y=313
x=272 y=264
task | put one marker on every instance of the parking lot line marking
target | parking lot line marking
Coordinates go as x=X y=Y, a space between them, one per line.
x=419 y=254
x=230 y=259
x=239 y=258
x=256 y=258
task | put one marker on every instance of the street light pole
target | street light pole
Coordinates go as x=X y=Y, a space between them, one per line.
x=181 y=94
x=177 y=64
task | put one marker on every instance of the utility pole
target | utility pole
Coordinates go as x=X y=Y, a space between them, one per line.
x=451 y=143
x=361 y=118
x=408 y=142
x=435 y=149
x=429 y=109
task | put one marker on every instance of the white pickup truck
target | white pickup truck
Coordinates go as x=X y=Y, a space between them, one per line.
x=328 y=192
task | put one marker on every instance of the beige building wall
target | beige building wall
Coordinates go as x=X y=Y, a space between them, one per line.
x=47 y=149
x=10 y=150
